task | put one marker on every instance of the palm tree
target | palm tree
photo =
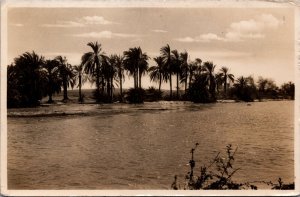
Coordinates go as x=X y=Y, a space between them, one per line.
x=199 y=68
x=166 y=55
x=219 y=82
x=51 y=72
x=67 y=75
x=224 y=77
x=157 y=72
x=30 y=83
x=194 y=68
x=242 y=82
x=176 y=65
x=209 y=68
x=81 y=78
x=130 y=64
x=136 y=64
x=120 y=72
x=110 y=73
x=92 y=62
x=184 y=69
x=143 y=67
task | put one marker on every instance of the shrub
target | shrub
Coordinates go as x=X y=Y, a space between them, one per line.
x=220 y=177
x=101 y=97
x=135 y=95
x=153 y=94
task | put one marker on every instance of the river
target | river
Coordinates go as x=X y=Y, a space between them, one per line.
x=121 y=146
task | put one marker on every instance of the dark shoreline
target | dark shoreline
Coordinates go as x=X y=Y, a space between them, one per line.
x=111 y=108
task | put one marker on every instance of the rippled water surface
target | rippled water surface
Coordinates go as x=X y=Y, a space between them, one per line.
x=143 y=146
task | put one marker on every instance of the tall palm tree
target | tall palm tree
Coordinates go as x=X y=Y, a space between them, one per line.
x=120 y=72
x=135 y=62
x=209 y=68
x=51 y=72
x=110 y=73
x=67 y=75
x=225 y=77
x=194 y=68
x=81 y=78
x=184 y=69
x=130 y=63
x=143 y=68
x=157 y=72
x=176 y=63
x=166 y=55
x=92 y=62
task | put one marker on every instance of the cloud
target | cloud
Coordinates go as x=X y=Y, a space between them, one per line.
x=64 y=24
x=17 y=25
x=96 y=20
x=253 y=28
x=106 y=34
x=186 y=39
x=208 y=37
x=201 y=38
x=238 y=37
x=86 y=20
x=240 y=31
x=159 y=31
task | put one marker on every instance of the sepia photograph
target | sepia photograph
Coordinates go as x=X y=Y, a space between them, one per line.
x=139 y=96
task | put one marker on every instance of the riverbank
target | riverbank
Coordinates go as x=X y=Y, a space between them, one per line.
x=73 y=108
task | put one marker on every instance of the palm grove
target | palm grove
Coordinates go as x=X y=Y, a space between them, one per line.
x=31 y=77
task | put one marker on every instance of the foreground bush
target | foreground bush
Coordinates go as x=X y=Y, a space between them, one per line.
x=153 y=94
x=135 y=95
x=101 y=97
x=218 y=175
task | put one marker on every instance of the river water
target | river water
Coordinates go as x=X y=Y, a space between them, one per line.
x=120 y=146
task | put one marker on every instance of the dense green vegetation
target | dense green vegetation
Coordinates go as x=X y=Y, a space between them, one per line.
x=31 y=77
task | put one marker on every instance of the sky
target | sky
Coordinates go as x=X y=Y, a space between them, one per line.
x=249 y=41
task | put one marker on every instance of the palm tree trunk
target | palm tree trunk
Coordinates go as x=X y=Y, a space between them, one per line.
x=50 y=91
x=190 y=79
x=111 y=89
x=159 y=82
x=65 y=87
x=134 y=79
x=97 y=84
x=177 y=93
x=225 y=87
x=212 y=87
x=170 y=86
x=108 y=86
x=50 y=97
x=121 y=91
x=186 y=80
x=102 y=86
x=80 y=96
x=185 y=85
x=140 y=80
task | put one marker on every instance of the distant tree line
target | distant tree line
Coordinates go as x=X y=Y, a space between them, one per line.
x=31 y=77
